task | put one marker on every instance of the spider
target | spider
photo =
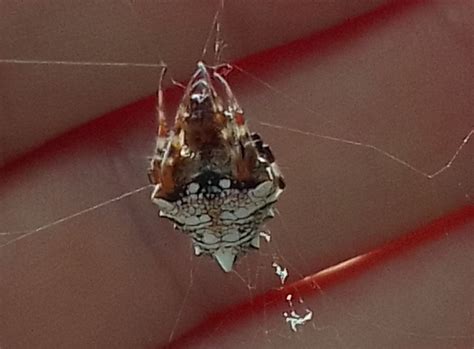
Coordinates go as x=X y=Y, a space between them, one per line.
x=214 y=179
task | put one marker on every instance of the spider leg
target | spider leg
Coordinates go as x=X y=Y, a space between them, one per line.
x=162 y=125
x=161 y=170
x=234 y=105
x=177 y=83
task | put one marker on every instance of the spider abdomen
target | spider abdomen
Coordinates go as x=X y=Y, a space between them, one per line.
x=223 y=217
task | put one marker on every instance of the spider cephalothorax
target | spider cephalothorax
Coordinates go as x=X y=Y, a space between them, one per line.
x=214 y=179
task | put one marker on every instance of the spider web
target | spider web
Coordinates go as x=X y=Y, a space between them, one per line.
x=117 y=242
